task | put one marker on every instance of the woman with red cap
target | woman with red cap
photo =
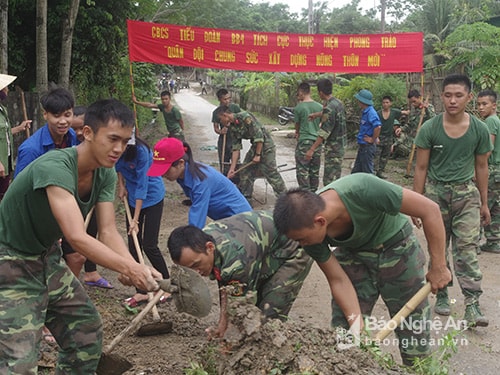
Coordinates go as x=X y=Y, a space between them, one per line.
x=212 y=194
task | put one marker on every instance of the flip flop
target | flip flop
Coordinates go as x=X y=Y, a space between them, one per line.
x=101 y=283
x=132 y=302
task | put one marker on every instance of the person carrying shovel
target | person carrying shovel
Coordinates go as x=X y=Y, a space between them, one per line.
x=244 y=253
x=144 y=196
x=49 y=199
x=377 y=253
x=260 y=159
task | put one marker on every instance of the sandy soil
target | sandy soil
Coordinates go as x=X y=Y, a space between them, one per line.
x=186 y=345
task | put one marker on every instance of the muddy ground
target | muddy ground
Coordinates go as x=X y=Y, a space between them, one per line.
x=305 y=344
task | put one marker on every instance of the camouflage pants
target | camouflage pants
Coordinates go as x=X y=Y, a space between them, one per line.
x=307 y=170
x=382 y=155
x=334 y=156
x=179 y=134
x=395 y=273
x=283 y=277
x=492 y=231
x=459 y=205
x=267 y=168
x=41 y=290
x=402 y=146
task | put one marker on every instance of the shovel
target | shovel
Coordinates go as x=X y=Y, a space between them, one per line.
x=191 y=295
x=158 y=327
x=404 y=312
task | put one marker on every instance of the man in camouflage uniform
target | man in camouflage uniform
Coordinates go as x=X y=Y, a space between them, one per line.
x=487 y=106
x=260 y=160
x=406 y=134
x=306 y=132
x=452 y=150
x=47 y=200
x=332 y=132
x=377 y=253
x=389 y=117
x=244 y=253
x=224 y=142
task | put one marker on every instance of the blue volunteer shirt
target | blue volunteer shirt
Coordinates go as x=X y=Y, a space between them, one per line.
x=216 y=196
x=38 y=144
x=139 y=186
x=369 y=121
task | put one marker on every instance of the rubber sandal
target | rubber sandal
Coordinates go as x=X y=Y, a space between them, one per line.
x=101 y=283
x=132 y=302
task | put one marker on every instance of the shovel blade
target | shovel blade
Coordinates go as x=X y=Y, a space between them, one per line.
x=112 y=364
x=193 y=295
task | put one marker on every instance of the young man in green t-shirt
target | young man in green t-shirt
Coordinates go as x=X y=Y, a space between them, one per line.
x=452 y=154
x=376 y=254
x=332 y=132
x=48 y=200
x=171 y=114
x=487 y=106
x=306 y=132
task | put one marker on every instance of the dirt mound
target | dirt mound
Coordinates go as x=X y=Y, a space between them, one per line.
x=254 y=346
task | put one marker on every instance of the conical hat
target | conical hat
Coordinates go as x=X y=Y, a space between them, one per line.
x=6 y=80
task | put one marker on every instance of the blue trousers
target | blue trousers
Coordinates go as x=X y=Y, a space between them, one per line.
x=364 y=158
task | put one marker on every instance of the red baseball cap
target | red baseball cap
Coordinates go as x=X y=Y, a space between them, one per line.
x=165 y=152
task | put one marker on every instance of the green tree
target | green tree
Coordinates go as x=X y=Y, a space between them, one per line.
x=475 y=50
x=349 y=20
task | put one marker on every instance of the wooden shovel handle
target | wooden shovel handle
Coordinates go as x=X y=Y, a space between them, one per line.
x=23 y=106
x=138 y=250
x=135 y=322
x=404 y=312
x=245 y=166
x=413 y=146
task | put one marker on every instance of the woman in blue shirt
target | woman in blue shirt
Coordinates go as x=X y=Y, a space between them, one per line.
x=212 y=194
x=145 y=197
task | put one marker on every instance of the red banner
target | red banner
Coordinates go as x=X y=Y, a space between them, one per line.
x=274 y=52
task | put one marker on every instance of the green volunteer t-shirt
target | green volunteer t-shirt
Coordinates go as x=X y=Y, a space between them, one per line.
x=493 y=123
x=388 y=123
x=26 y=220
x=249 y=248
x=308 y=130
x=373 y=205
x=172 y=118
x=452 y=159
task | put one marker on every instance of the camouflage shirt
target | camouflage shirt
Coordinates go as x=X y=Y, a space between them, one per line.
x=246 y=126
x=249 y=249
x=414 y=119
x=333 y=122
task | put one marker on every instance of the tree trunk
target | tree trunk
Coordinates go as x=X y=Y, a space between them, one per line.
x=42 y=76
x=68 y=26
x=383 y=7
x=4 y=60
